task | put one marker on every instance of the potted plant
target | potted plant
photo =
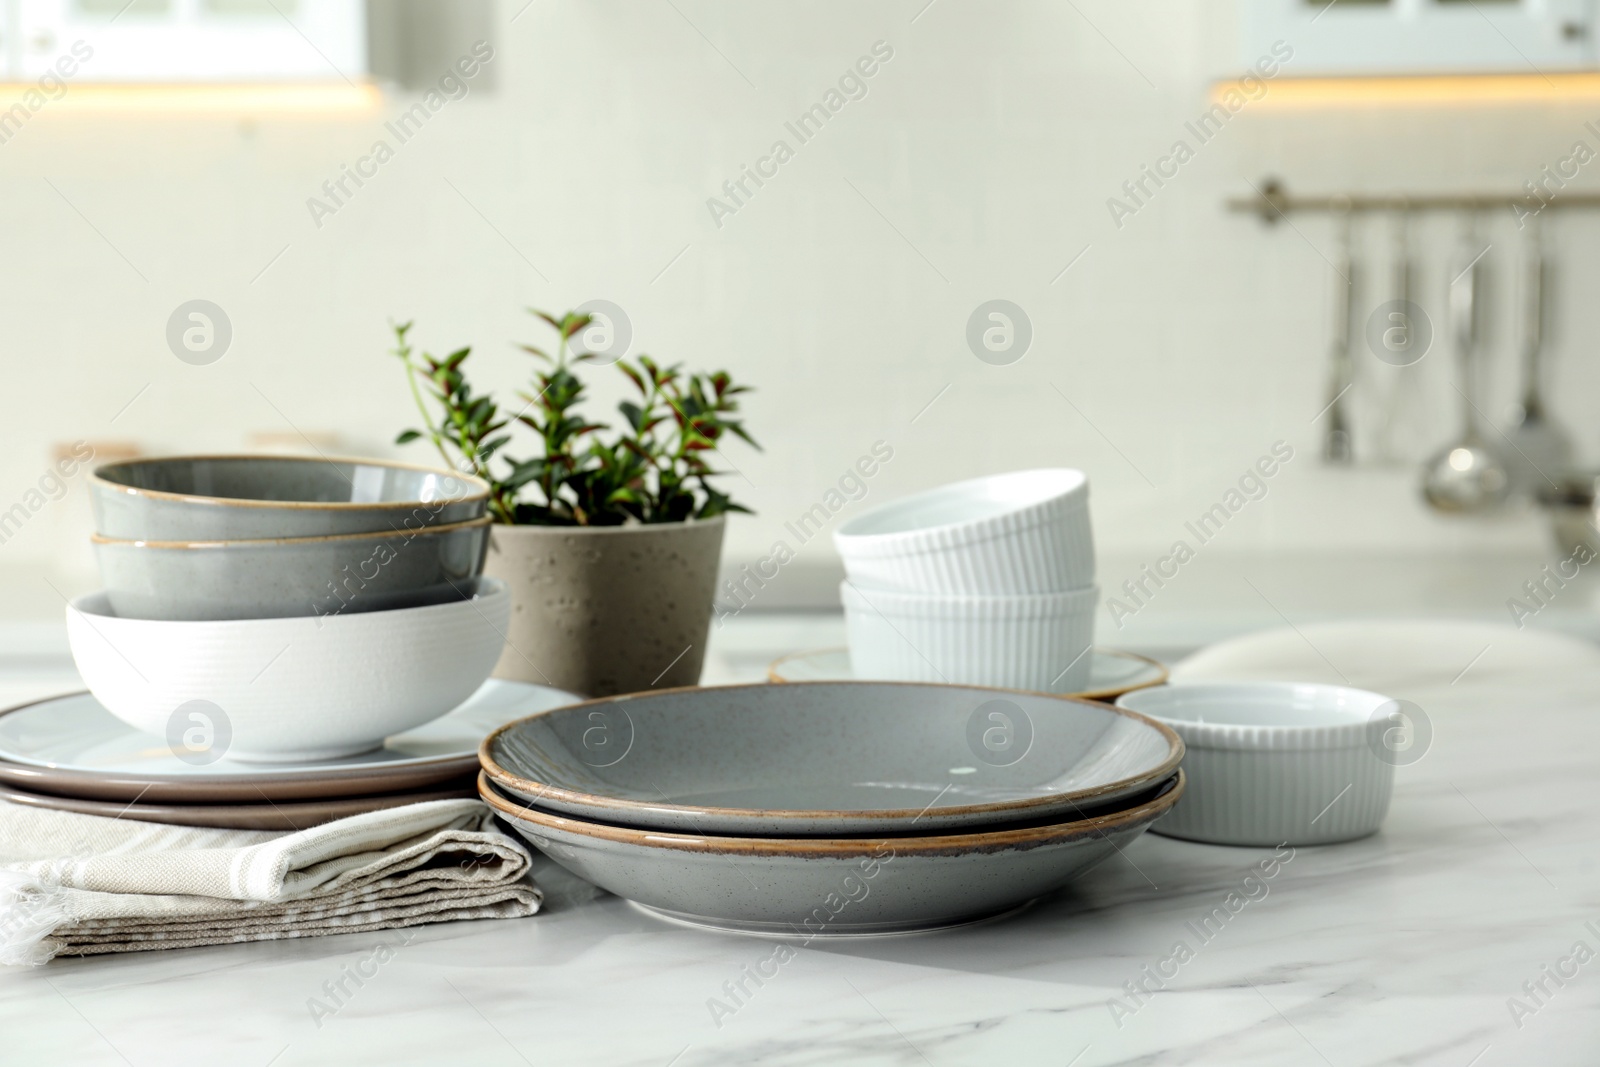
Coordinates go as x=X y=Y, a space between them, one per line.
x=609 y=539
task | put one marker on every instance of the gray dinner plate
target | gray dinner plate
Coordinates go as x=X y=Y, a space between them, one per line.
x=1111 y=672
x=287 y=815
x=826 y=758
x=72 y=746
x=831 y=887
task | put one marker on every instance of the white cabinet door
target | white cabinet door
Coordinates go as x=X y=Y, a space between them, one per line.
x=192 y=40
x=1422 y=36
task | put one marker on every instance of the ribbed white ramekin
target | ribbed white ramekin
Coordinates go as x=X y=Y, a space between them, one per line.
x=1020 y=642
x=1273 y=763
x=1017 y=534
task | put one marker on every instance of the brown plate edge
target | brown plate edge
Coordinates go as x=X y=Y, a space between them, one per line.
x=291 y=817
x=1137 y=817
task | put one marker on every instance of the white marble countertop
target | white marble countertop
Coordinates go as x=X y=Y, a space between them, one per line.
x=1406 y=947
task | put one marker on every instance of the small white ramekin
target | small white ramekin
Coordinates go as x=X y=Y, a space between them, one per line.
x=1017 y=534
x=1273 y=763
x=1019 y=642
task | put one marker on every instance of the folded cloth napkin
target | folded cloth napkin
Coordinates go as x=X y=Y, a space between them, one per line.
x=80 y=885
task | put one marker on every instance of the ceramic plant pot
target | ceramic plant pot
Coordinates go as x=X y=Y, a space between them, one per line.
x=609 y=609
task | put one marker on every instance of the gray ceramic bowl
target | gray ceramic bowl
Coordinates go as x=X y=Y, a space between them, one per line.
x=225 y=498
x=820 y=887
x=828 y=758
x=206 y=580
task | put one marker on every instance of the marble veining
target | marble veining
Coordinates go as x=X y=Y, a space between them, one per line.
x=1405 y=947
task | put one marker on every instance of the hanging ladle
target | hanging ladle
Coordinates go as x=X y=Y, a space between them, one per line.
x=1467 y=476
x=1540 y=449
x=1336 y=439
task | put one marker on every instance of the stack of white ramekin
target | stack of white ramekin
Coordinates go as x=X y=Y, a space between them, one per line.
x=983 y=582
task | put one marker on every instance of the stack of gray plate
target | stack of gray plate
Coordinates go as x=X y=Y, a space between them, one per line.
x=832 y=808
x=68 y=753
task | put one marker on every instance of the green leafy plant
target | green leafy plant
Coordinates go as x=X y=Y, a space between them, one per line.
x=654 y=470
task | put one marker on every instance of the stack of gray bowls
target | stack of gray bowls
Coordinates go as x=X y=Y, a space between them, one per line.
x=263 y=537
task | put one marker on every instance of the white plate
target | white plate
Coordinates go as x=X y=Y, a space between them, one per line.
x=76 y=740
x=1111 y=673
x=1399 y=657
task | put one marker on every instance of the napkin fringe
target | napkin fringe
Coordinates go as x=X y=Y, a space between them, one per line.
x=29 y=912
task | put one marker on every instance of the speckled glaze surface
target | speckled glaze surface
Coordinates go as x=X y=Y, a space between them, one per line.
x=826 y=758
x=813 y=887
x=194 y=498
x=289 y=577
x=610 y=609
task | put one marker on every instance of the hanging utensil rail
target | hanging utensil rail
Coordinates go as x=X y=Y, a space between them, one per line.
x=1272 y=201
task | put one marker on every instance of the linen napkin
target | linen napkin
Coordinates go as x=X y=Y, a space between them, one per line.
x=79 y=885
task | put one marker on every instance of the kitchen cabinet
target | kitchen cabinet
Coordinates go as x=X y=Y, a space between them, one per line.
x=1378 y=37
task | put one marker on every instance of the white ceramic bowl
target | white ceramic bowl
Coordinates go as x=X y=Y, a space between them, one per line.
x=290 y=689
x=1273 y=763
x=1042 y=643
x=1017 y=534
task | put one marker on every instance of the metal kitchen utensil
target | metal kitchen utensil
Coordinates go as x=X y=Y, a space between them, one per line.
x=1336 y=444
x=1395 y=436
x=1539 y=448
x=1469 y=475
x=1572 y=502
